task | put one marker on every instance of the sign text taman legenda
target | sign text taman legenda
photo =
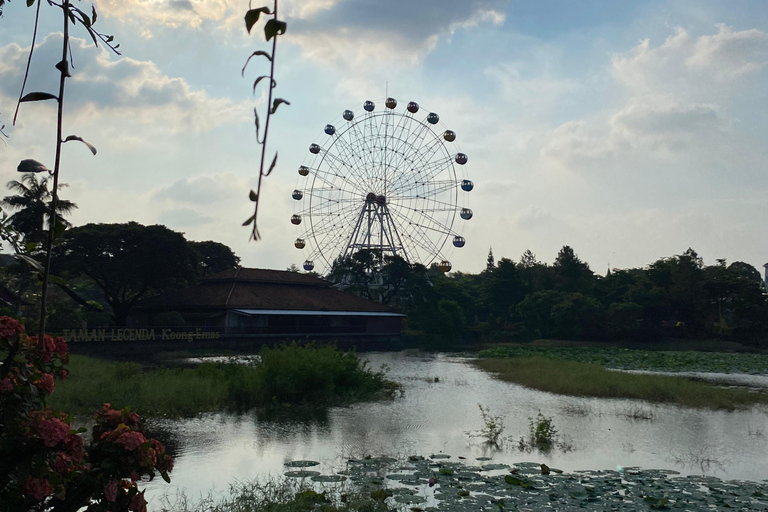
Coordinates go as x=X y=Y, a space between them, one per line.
x=77 y=335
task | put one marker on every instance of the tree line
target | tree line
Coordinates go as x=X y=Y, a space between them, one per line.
x=677 y=296
x=103 y=270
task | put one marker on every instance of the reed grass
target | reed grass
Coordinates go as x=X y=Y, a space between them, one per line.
x=286 y=375
x=592 y=380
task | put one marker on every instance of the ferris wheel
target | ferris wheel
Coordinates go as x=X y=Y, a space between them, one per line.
x=383 y=179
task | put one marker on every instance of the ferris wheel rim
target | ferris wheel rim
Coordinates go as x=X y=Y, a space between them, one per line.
x=422 y=215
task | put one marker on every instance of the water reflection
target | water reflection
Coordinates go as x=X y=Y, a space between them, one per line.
x=439 y=407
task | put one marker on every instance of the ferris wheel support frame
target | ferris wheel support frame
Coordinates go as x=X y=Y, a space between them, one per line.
x=375 y=211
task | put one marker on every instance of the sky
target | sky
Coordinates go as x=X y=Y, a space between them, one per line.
x=630 y=131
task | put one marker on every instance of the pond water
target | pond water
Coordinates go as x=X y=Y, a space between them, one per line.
x=438 y=409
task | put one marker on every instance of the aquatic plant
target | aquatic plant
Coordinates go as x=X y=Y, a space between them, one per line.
x=378 y=484
x=651 y=360
x=587 y=379
x=492 y=428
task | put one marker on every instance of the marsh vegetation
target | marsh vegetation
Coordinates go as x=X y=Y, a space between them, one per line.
x=283 y=376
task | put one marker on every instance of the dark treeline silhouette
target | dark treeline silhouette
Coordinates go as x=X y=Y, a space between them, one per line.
x=674 y=297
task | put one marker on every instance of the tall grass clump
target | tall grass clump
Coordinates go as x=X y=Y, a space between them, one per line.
x=586 y=379
x=288 y=374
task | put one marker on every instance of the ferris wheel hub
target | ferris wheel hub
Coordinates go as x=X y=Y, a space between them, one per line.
x=377 y=199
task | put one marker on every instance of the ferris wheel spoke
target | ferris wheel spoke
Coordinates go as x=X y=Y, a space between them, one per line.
x=347 y=175
x=441 y=187
x=410 y=224
x=426 y=220
x=426 y=173
x=350 y=154
x=328 y=178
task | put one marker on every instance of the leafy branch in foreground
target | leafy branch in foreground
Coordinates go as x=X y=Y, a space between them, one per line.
x=272 y=28
x=75 y=16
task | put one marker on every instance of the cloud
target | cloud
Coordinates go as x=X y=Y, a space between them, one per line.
x=534 y=218
x=183 y=218
x=678 y=110
x=171 y=13
x=357 y=32
x=707 y=65
x=105 y=87
x=202 y=190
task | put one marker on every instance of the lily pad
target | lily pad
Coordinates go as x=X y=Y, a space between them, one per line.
x=301 y=473
x=328 y=478
x=301 y=464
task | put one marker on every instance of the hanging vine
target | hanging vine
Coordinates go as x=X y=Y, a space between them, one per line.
x=272 y=29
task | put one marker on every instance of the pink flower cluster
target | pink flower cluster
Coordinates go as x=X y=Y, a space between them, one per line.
x=10 y=327
x=45 y=383
x=6 y=385
x=131 y=440
x=37 y=488
x=52 y=430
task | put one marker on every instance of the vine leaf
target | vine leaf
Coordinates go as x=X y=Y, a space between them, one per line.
x=256 y=54
x=93 y=18
x=274 y=84
x=253 y=196
x=277 y=103
x=250 y=220
x=38 y=96
x=63 y=66
x=30 y=165
x=256 y=116
x=75 y=137
x=252 y=16
x=273 y=28
x=272 y=165
x=30 y=3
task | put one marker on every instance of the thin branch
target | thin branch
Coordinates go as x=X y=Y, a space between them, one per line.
x=255 y=231
x=29 y=60
x=56 y=167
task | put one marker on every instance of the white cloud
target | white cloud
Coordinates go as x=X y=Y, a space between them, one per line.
x=171 y=13
x=356 y=32
x=703 y=66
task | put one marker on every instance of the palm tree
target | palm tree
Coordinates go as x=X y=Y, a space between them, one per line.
x=32 y=203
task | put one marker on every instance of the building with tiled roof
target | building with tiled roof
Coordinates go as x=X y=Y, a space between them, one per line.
x=250 y=302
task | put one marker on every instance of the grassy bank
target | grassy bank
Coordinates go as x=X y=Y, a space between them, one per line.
x=631 y=359
x=287 y=374
x=592 y=380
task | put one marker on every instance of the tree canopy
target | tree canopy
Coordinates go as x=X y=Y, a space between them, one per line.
x=128 y=261
x=32 y=203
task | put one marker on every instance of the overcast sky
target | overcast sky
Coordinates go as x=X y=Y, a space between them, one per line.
x=627 y=130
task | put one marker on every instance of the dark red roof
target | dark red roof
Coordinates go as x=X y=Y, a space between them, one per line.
x=263 y=275
x=250 y=288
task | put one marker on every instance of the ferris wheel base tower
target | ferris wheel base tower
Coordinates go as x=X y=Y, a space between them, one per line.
x=375 y=230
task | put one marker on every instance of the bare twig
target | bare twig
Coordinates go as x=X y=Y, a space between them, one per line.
x=29 y=60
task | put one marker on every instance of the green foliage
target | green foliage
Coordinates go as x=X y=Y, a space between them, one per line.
x=32 y=200
x=652 y=360
x=541 y=431
x=493 y=426
x=290 y=373
x=286 y=374
x=586 y=379
x=128 y=261
x=213 y=257
x=676 y=297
